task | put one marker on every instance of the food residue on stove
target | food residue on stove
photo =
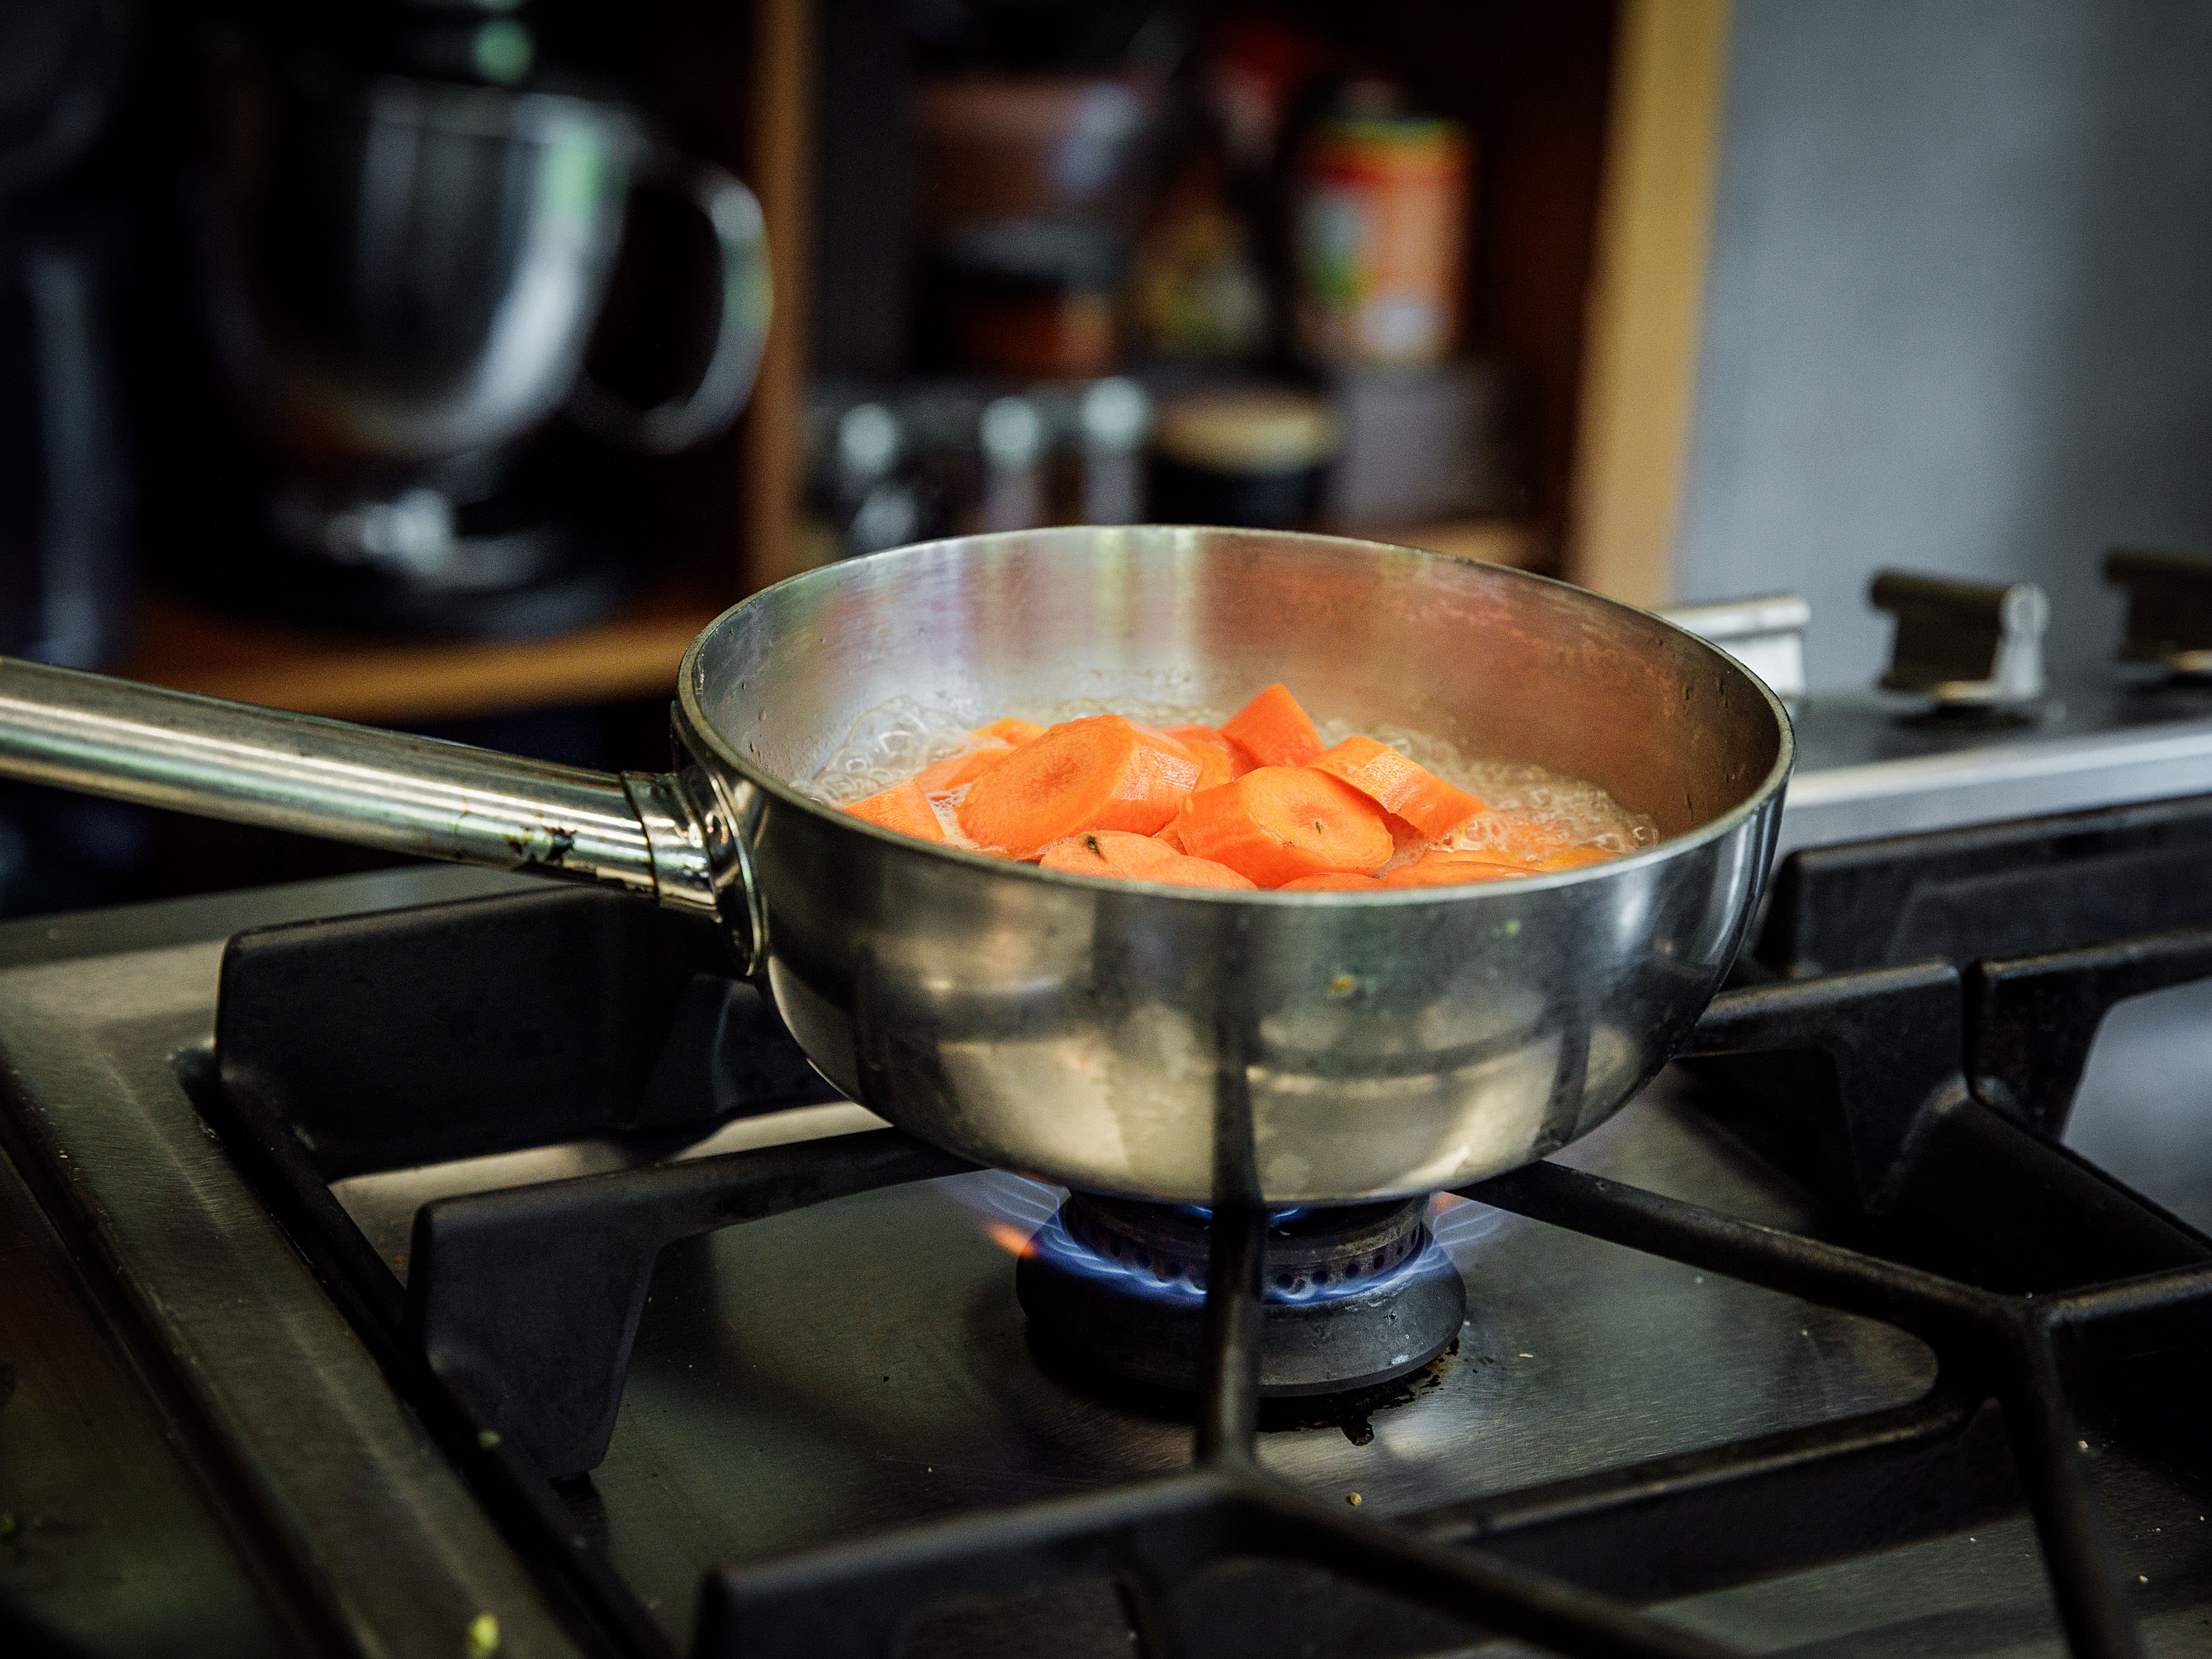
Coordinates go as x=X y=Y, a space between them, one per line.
x=1260 y=800
x=1351 y=1412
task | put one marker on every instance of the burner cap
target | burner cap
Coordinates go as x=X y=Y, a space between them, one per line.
x=1354 y=1297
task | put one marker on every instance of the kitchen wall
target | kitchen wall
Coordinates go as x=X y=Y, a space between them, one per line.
x=1959 y=311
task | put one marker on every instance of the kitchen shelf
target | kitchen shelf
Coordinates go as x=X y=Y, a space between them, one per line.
x=189 y=647
x=1554 y=104
x=634 y=654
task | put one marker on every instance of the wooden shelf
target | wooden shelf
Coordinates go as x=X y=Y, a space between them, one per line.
x=189 y=647
x=1640 y=368
x=632 y=654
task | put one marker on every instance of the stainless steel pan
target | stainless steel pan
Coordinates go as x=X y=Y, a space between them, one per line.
x=1157 y=1043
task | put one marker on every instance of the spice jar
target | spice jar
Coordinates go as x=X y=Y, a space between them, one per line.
x=1253 y=456
x=1381 y=238
x=1032 y=301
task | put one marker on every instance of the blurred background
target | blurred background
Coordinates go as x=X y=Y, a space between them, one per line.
x=388 y=359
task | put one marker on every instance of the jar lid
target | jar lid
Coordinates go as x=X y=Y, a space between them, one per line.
x=1388 y=151
x=1373 y=114
x=1409 y=130
x=1246 y=429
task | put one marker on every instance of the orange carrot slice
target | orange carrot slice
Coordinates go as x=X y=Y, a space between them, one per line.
x=904 y=808
x=1203 y=741
x=942 y=777
x=1404 y=835
x=1214 y=764
x=1102 y=773
x=1109 y=853
x=1509 y=836
x=1136 y=858
x=1450 y=870
x=1332 y=881
x=1274 y=729
x=1573 y=858
x=1398 y=784
x=1278 y=823
x=1010 y=731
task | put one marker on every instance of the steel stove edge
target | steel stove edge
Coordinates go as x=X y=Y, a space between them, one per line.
x=2025 y=777
x=371 y=1516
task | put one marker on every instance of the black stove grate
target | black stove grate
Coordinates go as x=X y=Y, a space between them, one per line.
x=1875 y=1089
x=1989 y=890
x=2129 y=1281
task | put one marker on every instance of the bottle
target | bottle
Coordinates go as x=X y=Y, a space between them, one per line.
x=1381 y=236
x=1111 y=420
x=1254 y=456
x=876 y=508
x=1011 y=439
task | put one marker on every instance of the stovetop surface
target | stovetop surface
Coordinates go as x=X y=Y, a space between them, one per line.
x=351 y=1528
x=825 y=1374
x=1836 y=729
x=1875 y=763
x=863 y=1364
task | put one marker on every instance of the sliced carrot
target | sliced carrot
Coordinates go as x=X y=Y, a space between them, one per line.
x=1450 y=870
x=1214 y=761
x=904 y=808
x=1274 y=729
x=1109 y=853
x=1398 y=784
x=1496 y=835
x=1332 y=881
x=1573 y=858
x=1404 y=835
x=1278 y=823
x=1010 y=731
x=1203 y=872
x=942 y=777
x=1136 y=858
x=1203 y=740
x=1102 y=773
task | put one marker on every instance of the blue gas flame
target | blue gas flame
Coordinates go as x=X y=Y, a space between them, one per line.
x=1024 y=1216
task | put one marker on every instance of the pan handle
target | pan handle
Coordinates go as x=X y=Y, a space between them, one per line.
x=354 y=783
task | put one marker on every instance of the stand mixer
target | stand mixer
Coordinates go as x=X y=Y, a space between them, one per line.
x=402 y=275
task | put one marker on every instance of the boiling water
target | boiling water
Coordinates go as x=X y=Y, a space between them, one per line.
x=1580 y=813
x=890 y=744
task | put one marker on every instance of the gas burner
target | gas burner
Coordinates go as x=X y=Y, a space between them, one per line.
x=1355 y=1297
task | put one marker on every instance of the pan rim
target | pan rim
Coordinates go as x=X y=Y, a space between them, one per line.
x=1718 y=828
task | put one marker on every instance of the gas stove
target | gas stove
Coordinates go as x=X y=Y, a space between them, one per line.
x=509 y=1281
x=436 y=1262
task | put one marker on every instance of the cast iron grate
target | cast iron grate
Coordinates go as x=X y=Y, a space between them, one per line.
x=1877 y=1089
x=1991 y=891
